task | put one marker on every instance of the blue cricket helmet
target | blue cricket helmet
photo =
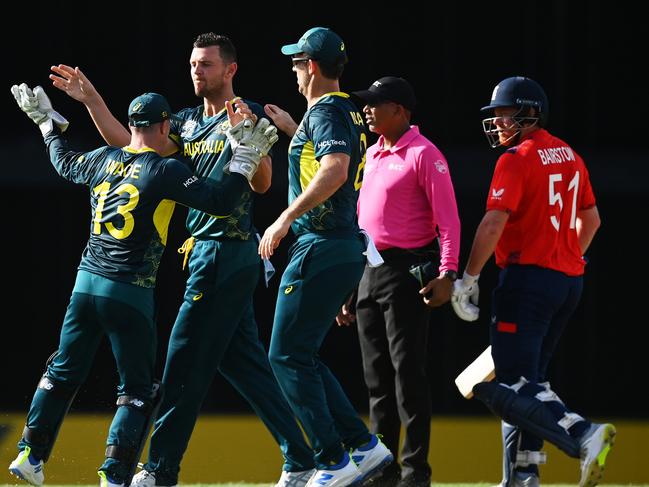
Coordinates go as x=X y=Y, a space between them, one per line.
x=521 y=92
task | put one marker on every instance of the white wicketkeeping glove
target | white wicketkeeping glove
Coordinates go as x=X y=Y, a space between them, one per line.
x=252 y=147
x=261 y=138
x=38 y=107
x=239 y=131
x=465 y=297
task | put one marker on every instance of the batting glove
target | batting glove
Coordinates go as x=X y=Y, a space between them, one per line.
x=465 y=297
x=252 y=147
x=38 y=107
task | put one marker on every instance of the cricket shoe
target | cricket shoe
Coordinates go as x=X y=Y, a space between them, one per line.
x=526 y=480
x=144 y=478
x=522 y=479
x=295 y=479
x=28 y=468
x=595 y=445
x=389 y=477
x=106 y=481
x=371 y=459
x=411 y=481
x=342 y=474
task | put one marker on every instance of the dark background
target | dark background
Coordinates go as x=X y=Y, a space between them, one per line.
x=589 y=58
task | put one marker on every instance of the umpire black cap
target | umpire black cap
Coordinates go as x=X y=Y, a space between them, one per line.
x=389 y=88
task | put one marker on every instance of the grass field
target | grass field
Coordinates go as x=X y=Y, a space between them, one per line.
x=214 y=453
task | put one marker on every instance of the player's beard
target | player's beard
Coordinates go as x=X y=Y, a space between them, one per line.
x=198 y=90
x=208 y=90
x=511 y=140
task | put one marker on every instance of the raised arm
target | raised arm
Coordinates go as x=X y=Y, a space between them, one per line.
x=237 y=112
x=71 y=165
x=281 y=119
x=76 y=85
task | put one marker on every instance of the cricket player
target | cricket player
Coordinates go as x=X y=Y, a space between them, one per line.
x=132 y=194
x=541 y=218
x=215 y=329
x=326 y=160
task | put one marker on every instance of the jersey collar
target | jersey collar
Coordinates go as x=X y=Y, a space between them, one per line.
x=217 y=114
x=332 y=93
x=131 y=150
x=408 y=136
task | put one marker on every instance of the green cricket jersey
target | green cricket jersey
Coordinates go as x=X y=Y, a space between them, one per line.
x=202 y=140
x=333 y=124
x=132 y=195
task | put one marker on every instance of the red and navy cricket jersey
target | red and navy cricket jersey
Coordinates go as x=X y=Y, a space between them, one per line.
x=542 y=183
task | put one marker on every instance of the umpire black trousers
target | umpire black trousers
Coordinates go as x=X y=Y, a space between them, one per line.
x=393 y=332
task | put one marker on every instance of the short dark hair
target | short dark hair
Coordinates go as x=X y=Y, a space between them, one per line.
x=225 y=45
x=144 y=129
x=331 y=71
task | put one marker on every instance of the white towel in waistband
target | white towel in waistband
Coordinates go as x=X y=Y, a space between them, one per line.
x=269 y=270
x=374 y=259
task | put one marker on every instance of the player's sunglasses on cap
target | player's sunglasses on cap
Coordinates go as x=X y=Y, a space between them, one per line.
x=148 y=109
x=386 y=89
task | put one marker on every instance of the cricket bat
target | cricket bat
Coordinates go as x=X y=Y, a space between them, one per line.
x=480 y=370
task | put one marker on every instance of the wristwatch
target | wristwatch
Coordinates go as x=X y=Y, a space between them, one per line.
x=450 y=275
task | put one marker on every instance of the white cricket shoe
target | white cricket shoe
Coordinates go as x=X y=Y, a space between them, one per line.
x=595 y=445
x=372 y=458
x=295 y=479
x=342 y=474
x=27 y=468
x=144 y=478
x=106 y=481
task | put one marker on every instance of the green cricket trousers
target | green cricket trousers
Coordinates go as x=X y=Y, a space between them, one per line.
x=215 y=330
x=322 y=272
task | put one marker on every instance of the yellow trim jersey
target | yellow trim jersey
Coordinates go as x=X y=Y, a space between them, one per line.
x=202 y=141
x=132 y=195
x=332 y=125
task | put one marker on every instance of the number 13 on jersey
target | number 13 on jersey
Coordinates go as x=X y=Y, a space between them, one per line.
x=103 y=190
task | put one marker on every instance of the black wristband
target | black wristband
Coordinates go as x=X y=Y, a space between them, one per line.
x=450 y=275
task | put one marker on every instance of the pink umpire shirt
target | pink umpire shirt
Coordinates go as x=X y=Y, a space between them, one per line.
x=407 y=197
